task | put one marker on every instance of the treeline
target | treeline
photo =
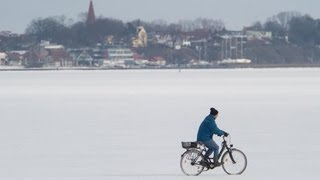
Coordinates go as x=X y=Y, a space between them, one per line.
x=299 y=29
x=296 y=28
x=61 y=31
x=78 y=34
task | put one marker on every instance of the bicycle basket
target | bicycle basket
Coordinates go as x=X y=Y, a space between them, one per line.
x=188 y=145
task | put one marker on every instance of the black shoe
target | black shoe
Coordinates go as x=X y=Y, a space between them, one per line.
x=205 y=163
x=202 y=162
x=217 y=164
x=205 y=166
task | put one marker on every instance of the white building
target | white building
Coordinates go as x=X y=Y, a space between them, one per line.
x=3 y=58
x=186 y=43
x=119 y=57
x=259 y=35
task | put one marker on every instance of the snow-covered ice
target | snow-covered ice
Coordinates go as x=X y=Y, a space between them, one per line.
x=97 y=125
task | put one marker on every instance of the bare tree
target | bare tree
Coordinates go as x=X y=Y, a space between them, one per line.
x=201 y=23
x=187 y=25
x=51 y=28
x=284 y=18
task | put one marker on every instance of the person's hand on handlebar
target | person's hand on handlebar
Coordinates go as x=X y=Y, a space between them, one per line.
x=226 y=134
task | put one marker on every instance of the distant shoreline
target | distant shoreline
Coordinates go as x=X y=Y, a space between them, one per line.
x=8 y=68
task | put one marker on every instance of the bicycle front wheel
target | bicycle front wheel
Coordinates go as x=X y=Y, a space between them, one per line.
x=190 y=162
x=236 y=167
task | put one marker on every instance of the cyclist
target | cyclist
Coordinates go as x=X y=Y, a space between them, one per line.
x=206 y=130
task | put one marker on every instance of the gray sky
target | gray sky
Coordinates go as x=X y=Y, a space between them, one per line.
x=15 y=15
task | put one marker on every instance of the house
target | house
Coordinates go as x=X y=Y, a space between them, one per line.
x=142 y=38
x=186 y=43
x=119 y=57
x=3 y=58
x=196 y=39
x=82 y=58
x=46 y=54
x=16 y=57
x=98 y=55
x=261 y=35
x=109 y=40
x=163 y=39
x=34 y=57
x=57 y=56
x=168 y=39
x=8 y=34
x=88 y=56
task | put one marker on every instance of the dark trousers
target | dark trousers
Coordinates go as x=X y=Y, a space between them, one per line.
x=212 y=147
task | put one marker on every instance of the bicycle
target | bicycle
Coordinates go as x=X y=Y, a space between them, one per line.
x=193 y=161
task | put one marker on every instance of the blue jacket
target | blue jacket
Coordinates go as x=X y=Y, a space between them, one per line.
x=208 y=128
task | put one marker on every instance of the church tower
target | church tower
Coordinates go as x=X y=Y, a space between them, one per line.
x=91 y=16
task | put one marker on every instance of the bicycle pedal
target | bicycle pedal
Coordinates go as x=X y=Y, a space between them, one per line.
x=203 y=163
x=212 y=166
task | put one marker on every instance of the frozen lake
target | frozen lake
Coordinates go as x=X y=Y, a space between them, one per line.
x=97 y=125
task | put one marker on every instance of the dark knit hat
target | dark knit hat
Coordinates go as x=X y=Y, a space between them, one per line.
x=213 y=111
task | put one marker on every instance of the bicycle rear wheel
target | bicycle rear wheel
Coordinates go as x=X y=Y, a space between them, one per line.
x=237 y=167
x=190 y=162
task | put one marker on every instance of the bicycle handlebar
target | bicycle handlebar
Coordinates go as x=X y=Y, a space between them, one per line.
x=224 y=137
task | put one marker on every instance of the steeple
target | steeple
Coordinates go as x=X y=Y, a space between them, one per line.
x=91 y=16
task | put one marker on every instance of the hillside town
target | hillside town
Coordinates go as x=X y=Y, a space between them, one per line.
x=179 y=48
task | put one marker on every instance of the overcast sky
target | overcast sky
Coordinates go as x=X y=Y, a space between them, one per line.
x=15 y=15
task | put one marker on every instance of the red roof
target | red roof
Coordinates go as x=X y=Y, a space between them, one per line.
x=58 y=54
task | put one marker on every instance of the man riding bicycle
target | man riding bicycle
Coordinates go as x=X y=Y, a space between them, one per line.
x=206 y=130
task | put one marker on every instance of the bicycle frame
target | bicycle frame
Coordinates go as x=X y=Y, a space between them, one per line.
x=224 y=148
x=227 y=148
